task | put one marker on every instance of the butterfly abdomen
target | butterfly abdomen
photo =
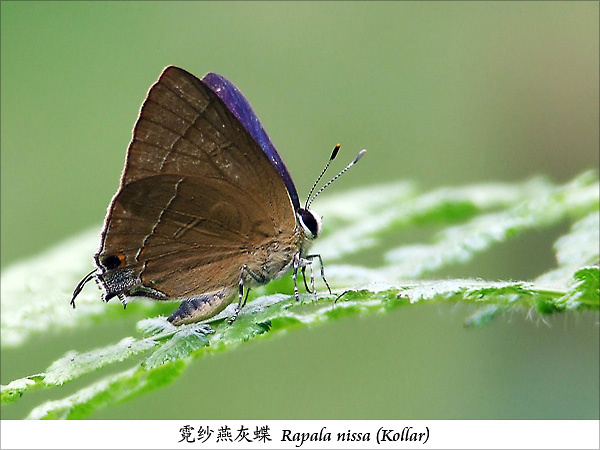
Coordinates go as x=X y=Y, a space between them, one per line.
x=202 y=307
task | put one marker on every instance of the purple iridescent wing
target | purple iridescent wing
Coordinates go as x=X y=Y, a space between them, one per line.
x=239 y=106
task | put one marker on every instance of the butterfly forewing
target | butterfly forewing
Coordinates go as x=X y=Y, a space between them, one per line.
x=198 y=199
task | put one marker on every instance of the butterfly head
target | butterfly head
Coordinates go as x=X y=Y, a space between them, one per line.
x=310 y=223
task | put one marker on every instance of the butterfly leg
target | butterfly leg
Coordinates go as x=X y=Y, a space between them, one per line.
x=312 y=289
x=239 y=308
x=312 y=280
x=322 y=269
x=304 y=277
x=244 y=271
x=301 y=263
x=297 y=260
x=240 y=296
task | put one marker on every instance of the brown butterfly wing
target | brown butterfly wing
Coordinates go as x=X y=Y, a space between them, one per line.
x=198 y=200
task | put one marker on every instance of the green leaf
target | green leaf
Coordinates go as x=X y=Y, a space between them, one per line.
x=464 y=222
x=584 y=289
x=576 y=249
x=74 y=365
x=110 y=390
x=181 y=345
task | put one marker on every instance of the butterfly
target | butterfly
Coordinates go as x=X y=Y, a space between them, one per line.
x=206 y=207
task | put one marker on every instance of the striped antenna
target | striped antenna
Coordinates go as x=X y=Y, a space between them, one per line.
x=334 y=153
x=354 y=161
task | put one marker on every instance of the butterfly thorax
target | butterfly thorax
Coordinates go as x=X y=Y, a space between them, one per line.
x=275 y=257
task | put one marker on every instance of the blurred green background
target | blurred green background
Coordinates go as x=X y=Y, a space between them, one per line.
x=441 y=93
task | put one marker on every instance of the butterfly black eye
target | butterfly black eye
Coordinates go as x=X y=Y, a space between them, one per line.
x=111 y=262
x=309 y=222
